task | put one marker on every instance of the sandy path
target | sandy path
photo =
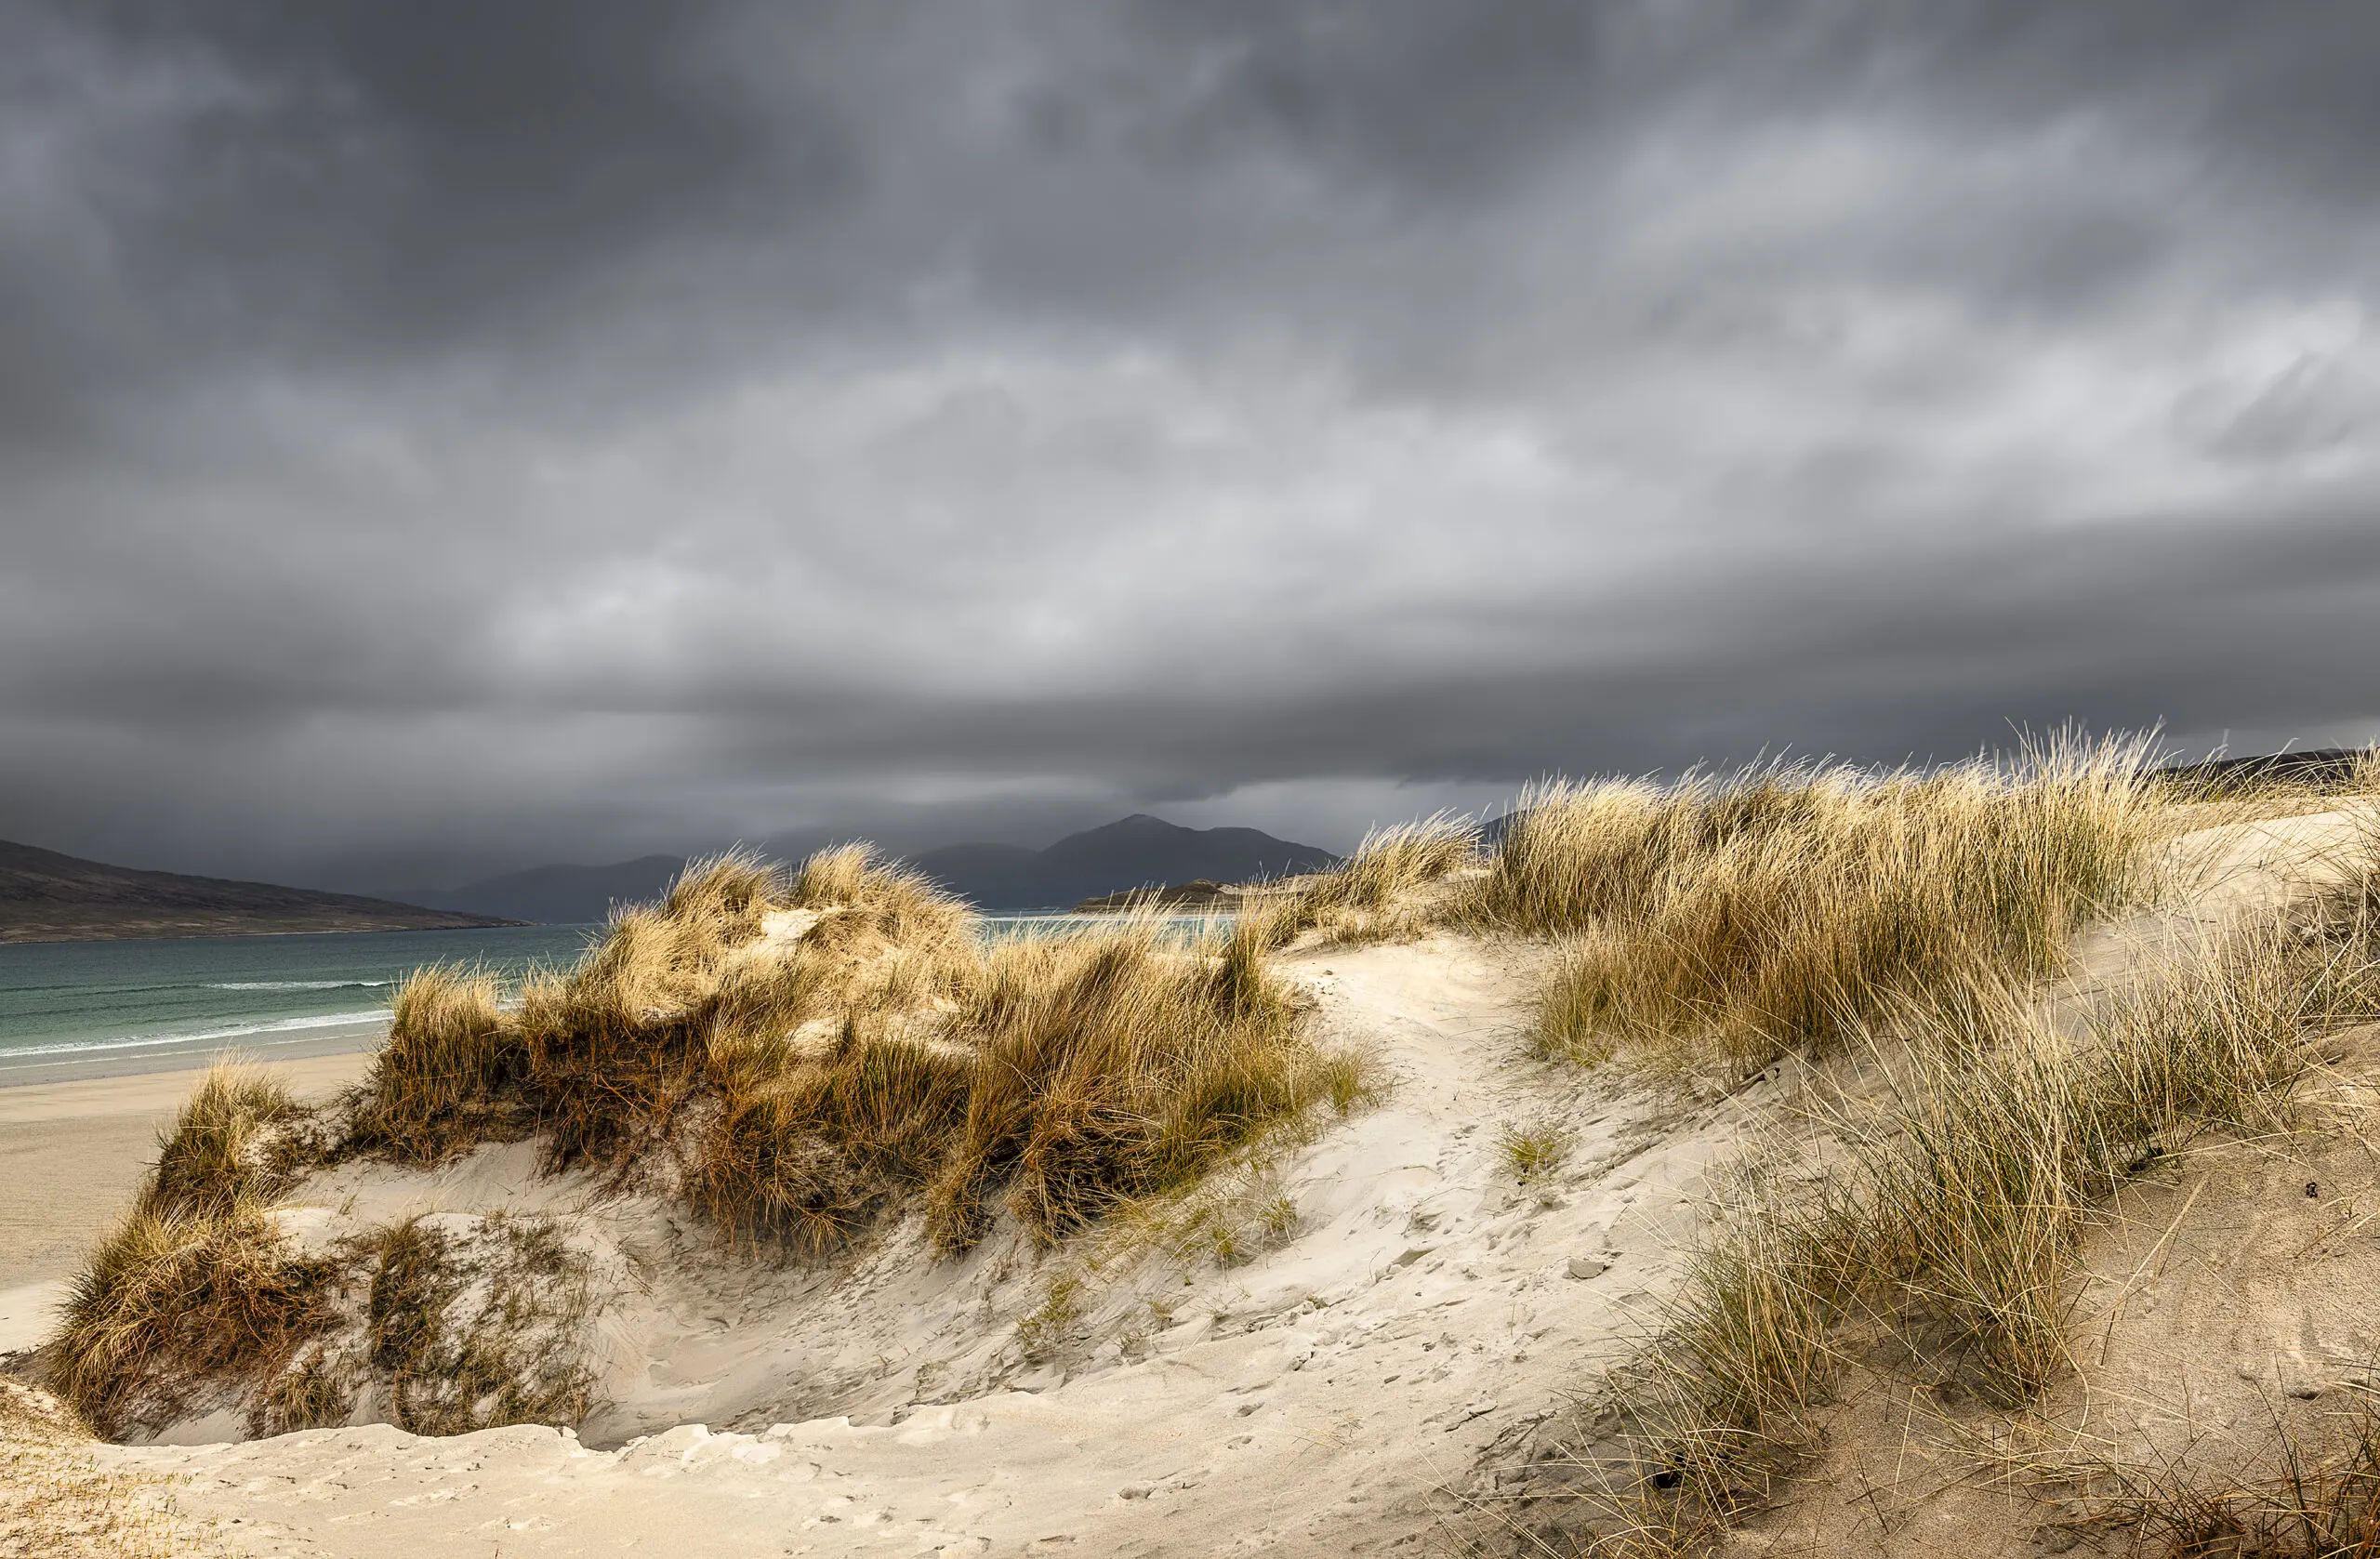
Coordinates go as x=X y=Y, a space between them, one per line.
x=1313 y=1400
x=72 y=1156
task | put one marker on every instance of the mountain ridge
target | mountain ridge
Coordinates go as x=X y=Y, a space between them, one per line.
x=559 y=895
x=1135 y=852
x=46 y=895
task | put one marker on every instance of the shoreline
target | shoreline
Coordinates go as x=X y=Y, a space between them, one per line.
x=360 y=1037
x=10 y=940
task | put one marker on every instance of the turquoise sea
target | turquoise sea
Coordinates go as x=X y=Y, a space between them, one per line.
x=88 y=1008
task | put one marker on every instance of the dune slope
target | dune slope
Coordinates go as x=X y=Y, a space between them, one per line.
x=1319 y=1393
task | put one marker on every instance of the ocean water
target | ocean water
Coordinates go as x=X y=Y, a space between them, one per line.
x=89 y=1007
x=83 y=1008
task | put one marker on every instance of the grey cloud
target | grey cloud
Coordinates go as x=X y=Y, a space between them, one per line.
x=462 y=437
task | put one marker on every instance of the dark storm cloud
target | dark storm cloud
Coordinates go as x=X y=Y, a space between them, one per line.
x=442 y=437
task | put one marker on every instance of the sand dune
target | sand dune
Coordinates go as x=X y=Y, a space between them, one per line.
x=1382 y=1351
x=1326 y=1391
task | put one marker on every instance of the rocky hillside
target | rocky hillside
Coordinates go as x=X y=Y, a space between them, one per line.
x=48 y=897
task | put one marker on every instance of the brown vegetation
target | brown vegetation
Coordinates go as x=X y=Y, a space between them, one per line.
x=1378 y=892
x=197 y=1284
x=1952 y=1221
x=1791 y=907
x=793 y=1053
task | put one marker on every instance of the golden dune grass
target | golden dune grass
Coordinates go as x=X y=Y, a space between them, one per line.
x=1372 y=895
x=879 y=1051
x=197 y=1280
x=1954 y=1219
x=1731 y=920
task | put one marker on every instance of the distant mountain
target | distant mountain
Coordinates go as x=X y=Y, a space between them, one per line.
x=560 y=895
x=48 y=897
x=2314 y=768
x=1137 y=852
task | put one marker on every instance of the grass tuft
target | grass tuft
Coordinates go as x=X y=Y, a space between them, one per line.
x=1371 y=897
x=172 y=1299
x=197 y=1282
x=450 y=1074
x=1108 y=1067
x=1953 y=1222
x=793 y=1055
x=825 y=1044
x=234 y=1142
x=1533 y=1152
x=1735 y=919
x=808 y=1150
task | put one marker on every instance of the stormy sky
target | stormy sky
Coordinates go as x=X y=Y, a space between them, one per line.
x=436 y=438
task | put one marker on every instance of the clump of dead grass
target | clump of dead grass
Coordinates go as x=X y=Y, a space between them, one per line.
x=1372 y=896
x=825 y=1044
x=793 y=1055
x=197 y=1283
x=1106 y=1066
x=862 y=900
x=617 y=1045
x=1733 y=920
x=1950 y=1217
x=452 y=1071
x=173 y=1300
x=235 y=1141
x=808 y=1149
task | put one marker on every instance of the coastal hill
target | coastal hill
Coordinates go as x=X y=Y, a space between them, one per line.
x=1133 y=852
x=557 y=895
x=48 y=897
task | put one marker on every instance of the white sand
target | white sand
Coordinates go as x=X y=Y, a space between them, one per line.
x=1321 y=1393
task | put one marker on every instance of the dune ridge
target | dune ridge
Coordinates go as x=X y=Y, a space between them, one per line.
x=1673 y=1273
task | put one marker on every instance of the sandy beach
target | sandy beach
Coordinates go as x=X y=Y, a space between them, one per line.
x=72 y=1156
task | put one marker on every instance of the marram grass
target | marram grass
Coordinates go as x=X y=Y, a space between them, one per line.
x=1792 y=908
x=869 y=1050
x=1955 y=1214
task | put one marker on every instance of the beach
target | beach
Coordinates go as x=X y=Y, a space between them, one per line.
x=71 y=1155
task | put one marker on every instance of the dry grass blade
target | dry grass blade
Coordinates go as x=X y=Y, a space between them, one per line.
x=1108 y=1067
x=172 y=1300
x=1953 y=1219
x=1371 y=896
x=1794 y=906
